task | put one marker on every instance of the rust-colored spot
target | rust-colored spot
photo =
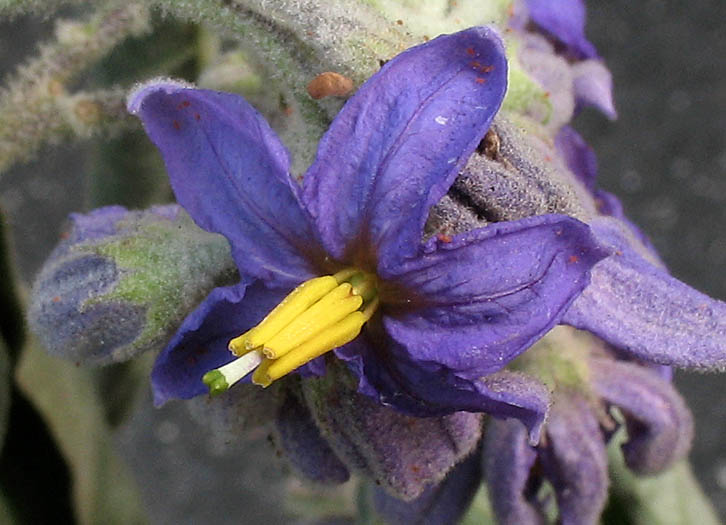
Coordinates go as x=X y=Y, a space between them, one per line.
x=56 y=299
x=176 y=125
x=399 y=22
x=444 y=237
x=573 y=259
x=197 y=116
x=415 y=469
x=475 y=64
x=486 y=69
x=547 y=158
x=184 y=104
x=618 y=252
x=490 y=145
x=329 y=84
x=287 y=110
x=480 y=80
x=470 y=51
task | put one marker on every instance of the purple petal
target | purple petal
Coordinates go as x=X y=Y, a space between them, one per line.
x=442 y=504
x=642 y=310
x=397 y=145
x=304 y=447
x=200 y=344
x=508 y=460
x=593 y=86
x=229 y=170
x=488 y=295
x=578 y=156
x=565 y=21
x=575 y=460
x=387 y=374
x=660 y=426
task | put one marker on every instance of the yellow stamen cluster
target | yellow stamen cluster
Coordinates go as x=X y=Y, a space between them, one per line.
x=319 y=315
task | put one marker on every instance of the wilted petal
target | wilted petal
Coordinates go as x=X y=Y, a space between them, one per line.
x=230 y=172
x=388 y=375
x=508 y=460
x=442 y=504
x=403 y=454
x=200 y=344
x=660 y=426
x=565 y=21
x=304 y=447
x=397 y=145
x=593 y=86
x=575 y=460
x=642 y=310
x=487 y=295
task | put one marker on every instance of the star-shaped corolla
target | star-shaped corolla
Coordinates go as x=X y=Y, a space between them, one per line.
x=434 y=318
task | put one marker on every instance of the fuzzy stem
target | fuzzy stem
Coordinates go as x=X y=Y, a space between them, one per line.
x=35 y=105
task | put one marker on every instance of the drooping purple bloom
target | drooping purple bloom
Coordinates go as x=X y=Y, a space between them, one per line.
x=453 y=309
x=572 y=457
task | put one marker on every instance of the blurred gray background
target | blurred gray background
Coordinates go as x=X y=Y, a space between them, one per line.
x=665 y=157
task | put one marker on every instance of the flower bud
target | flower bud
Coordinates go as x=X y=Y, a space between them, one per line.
x=403 y=454
x=120 y=282
x=300 y=439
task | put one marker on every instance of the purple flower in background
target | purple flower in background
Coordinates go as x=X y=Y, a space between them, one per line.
x=434 y=317
x=561 y=58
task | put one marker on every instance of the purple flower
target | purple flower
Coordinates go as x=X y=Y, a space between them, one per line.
x=572 y=454
x=559 y=56
x=434 y=317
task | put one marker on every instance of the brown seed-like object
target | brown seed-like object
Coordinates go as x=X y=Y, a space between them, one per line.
x=329 y=84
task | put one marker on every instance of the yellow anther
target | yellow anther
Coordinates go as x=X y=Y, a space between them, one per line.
x=297 y=301
x=259 y=377
x=326 y=312
x=337 y=335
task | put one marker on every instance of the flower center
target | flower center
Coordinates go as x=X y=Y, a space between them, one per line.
x=319 y=315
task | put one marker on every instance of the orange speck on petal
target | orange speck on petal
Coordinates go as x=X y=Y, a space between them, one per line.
x=176 y=124
x=56 y=299
x=480 y=80
x=184 y=104
x=470 y=51
x=486 y=69
x=573 y=258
